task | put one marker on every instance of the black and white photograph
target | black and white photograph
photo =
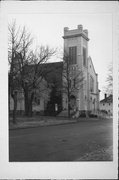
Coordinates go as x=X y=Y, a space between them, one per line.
x=61 y=93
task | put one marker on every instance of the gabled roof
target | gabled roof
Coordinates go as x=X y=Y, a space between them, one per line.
x=108 y=99
x=90 y=59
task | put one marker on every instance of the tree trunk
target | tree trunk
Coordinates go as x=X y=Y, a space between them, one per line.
x=68 y=104
x=15 y=107
x=68 y=99
x=68 y=111
x=26 y=103
x=9 y=102
x=30 y=104
x=30 y=109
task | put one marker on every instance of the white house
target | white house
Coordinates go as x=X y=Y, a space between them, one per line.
x=106 y=105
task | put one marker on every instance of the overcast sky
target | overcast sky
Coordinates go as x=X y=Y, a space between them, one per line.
x=47 y=28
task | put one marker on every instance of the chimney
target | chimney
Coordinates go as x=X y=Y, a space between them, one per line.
x=105 y=96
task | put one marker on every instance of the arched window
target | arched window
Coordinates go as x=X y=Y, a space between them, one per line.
x=91 y=84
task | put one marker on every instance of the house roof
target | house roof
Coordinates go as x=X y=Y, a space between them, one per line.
x=108 y=99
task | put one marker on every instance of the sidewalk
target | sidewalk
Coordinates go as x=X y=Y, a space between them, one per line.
x=24 y=122
x=30 y=122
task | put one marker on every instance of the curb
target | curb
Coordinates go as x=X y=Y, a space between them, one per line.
x=42 y=125
x=55 y=124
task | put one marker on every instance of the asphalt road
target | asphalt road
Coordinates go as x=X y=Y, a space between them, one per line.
x=66 y=142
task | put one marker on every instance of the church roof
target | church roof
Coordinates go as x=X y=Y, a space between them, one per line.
x=51 y=72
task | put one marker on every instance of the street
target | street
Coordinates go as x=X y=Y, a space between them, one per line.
x=67 y=142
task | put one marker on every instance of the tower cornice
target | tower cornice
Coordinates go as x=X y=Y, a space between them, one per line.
x=76 y=35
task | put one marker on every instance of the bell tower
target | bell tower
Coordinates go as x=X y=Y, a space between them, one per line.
x=76 y=45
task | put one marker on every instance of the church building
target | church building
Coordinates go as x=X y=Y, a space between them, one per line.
x=86 y=98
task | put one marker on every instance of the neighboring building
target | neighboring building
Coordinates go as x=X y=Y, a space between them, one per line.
x=76 y=45
x=106 y=105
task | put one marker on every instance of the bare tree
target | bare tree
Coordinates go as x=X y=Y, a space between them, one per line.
x=25 y=66
x=108 y=89
x=33 y=76
x=19 y=42
x=110 y=79
x=73 y=79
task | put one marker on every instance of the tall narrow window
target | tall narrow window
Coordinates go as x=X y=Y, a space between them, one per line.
x=84 y=56
x=73 y=55
x=91 y=84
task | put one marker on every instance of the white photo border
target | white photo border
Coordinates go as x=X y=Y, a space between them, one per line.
x=55 y=170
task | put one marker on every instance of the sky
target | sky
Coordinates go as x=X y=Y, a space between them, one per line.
x=47 y=29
